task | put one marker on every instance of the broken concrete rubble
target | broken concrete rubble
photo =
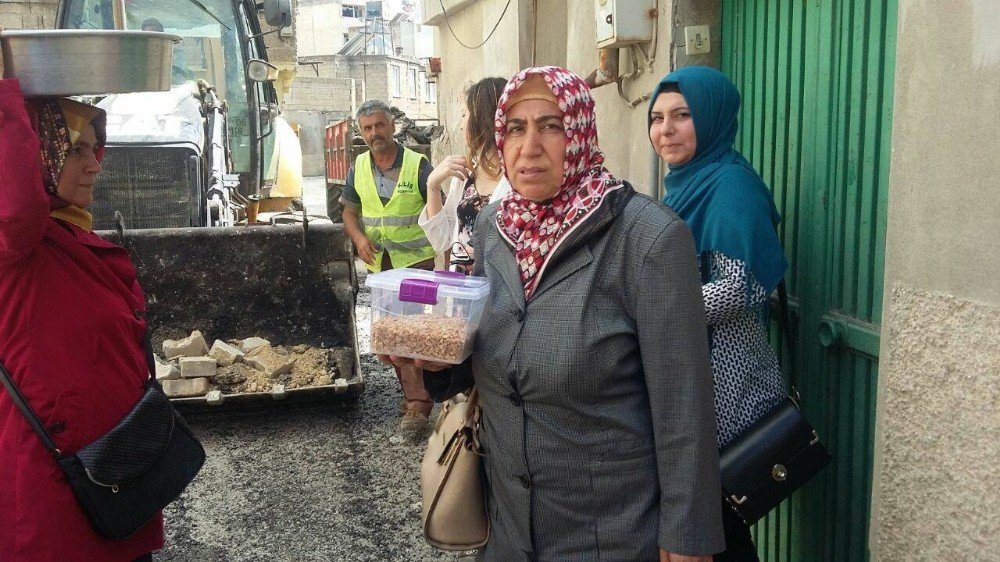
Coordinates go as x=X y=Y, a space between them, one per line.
x=278 y=391
x=269 y=361
x=191 y=346
x=197 y=367
x=266 y=368
x=184 y=388
x=225 y=354
x=165 y=370
x=232 y=376
x=253 y=343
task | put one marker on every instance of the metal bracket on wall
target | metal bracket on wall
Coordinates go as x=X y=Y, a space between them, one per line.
x=313 y=64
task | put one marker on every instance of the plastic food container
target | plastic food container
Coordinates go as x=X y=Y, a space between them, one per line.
x=430 y=315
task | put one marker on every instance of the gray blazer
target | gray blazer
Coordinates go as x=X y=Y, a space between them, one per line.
x=598 y=421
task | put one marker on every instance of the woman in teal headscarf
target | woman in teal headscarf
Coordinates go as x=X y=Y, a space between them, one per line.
x=692 y=126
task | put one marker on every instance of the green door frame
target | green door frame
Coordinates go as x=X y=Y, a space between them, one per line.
x=816 y=78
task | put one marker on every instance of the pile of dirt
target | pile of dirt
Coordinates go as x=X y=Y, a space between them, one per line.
x=313 y=366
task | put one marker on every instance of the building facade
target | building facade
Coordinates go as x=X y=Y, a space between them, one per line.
x=36 y=14
x=338 y=84
x=560 y=32
x=887 y=215
x=348 y=56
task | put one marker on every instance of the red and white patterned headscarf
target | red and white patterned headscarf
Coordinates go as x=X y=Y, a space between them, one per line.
x=536 y=229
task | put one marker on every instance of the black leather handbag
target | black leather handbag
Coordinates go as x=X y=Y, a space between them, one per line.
x=775 y=456
x=125 y=477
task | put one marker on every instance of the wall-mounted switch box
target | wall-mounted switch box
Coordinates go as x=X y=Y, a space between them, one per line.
x=697 y=40
x=624 y=22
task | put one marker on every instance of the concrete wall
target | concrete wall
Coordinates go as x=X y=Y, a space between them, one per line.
x=320 y=29
x=418 y=107
x=324 y=92
x=324 y=84
x=622 y=126
x=36 y=14
x=327 y=94
x=311 y=135
x=566 y=37
x=461 y=67
x=937 y=453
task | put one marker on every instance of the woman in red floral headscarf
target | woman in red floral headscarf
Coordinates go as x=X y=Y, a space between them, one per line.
x=591 y=359
x=71 y=328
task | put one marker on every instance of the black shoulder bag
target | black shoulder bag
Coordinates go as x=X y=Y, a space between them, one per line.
x=125 y=477
x=775 y=456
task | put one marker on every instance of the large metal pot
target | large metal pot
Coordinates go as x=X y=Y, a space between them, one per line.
x=66 y=62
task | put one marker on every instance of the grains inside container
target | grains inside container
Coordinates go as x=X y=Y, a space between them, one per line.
x=425 y=315
x=420 y=335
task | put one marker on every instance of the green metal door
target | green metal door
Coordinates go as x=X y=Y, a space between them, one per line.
x=816 y=78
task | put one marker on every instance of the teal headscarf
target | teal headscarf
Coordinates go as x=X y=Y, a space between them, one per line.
x=718 y=193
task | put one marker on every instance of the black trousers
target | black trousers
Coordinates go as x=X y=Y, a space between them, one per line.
x=739 y=544
x=146 y=558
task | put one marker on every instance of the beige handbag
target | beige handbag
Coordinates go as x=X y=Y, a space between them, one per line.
x=454 y=506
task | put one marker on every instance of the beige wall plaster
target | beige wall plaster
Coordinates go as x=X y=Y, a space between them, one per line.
x=938 y=421
x=461 y=67
x=944 y=196
x=566 y=36
x=939 y=429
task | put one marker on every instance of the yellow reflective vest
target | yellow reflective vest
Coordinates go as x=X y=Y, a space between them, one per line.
x=393 y=227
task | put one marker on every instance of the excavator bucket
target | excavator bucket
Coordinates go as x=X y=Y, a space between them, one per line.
x=293 y=285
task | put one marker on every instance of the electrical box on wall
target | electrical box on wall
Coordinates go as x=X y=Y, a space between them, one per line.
x=697 y=40
x=624 y=22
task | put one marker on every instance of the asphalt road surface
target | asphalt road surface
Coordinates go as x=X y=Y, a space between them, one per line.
x=334 y=481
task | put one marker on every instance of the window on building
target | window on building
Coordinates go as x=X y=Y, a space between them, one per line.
x=397 y=90
x=374 y=9
x=432 y=93
x=413 y=82
x=349 y=11
x=422 y=82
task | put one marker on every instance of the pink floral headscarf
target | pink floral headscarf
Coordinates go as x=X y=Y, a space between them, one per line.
x=536 y=229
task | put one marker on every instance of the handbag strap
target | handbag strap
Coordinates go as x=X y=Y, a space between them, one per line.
x=471 y=427
x=29 y=414
x=473 y=408
x=150 y=360
x=32 y=417
x=784 y=319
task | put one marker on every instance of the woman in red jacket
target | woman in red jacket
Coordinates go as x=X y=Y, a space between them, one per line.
x=71 y=328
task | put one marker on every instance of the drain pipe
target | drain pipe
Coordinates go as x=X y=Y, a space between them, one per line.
x=655 y=178
x=607 y=69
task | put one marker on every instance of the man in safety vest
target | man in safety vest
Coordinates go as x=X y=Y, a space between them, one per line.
x=385 y=191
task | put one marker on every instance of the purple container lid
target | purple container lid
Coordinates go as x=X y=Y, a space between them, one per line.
x=426 y=287
x=422 y=291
